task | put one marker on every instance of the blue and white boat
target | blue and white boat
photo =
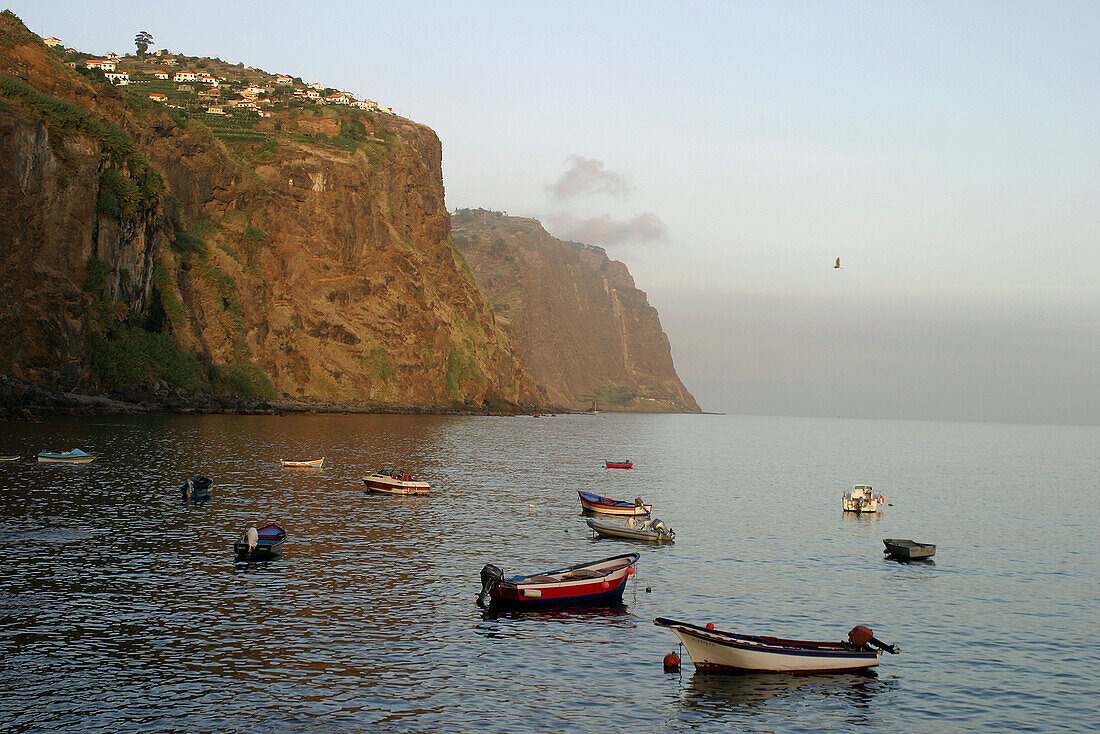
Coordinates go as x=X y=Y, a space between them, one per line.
x=197 y=489
x=76 y=456
x=267 y=543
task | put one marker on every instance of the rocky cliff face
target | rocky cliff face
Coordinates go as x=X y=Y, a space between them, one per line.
x=584 y=332
x=309 y=258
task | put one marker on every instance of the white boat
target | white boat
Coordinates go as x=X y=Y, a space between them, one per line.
x=653 y=530
x=395 y=483
x=76 y=456
x=717 y=651
x=862 y=499
x=312 y=463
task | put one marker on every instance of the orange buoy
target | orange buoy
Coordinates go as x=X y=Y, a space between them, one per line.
x=672 y=662
x=710 y=625
x=629 y=570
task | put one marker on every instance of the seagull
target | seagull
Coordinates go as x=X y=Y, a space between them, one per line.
x=837 y=266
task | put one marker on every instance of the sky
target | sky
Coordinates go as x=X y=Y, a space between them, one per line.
x=728 y=152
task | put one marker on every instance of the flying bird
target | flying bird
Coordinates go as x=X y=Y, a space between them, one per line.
x=837 y=266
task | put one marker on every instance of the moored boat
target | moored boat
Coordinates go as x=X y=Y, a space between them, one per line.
x=310 y=464
x=265 y=543
x=862 y=499
x=76 y=456
x=654 y=531
x=619 y=464
x=716 y=651
x=598 y=582
x=908 y=550
x=197 y=489
x=607 y=506
x=9 y=458
x=395 y=483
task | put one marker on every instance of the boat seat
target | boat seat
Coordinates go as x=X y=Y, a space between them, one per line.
x=540 y=580
x=586 y=573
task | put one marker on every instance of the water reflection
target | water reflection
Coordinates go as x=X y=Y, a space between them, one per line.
x=847 y=695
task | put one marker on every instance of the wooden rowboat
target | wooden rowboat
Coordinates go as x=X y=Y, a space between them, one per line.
x=607 y=506
x=619 y=464
x=598 y=582
x=654 y=531
x=311 y=464
x=76 y=456
x=268 y=544
x=715 y=651
x=908 y=550
x=395 y=483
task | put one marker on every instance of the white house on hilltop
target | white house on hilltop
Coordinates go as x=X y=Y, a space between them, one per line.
x=121 y=78
x=102 y=64
x=53 y=42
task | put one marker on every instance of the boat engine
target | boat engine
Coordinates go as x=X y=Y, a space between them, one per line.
x=491 y=576
x=861 y=636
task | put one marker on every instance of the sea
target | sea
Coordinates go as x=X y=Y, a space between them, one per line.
x=122 y=608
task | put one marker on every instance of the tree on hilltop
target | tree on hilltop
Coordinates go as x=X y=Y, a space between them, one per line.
x=142 y=40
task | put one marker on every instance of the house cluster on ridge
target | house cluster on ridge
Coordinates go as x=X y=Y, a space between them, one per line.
x=249 y=95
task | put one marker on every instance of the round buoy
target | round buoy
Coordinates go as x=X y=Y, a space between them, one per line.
x=710 y=625
x=672 y=662
x=629 y=570
x=605 y=585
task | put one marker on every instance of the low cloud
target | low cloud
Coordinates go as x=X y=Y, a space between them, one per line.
x=603 y=230
x=588 y=176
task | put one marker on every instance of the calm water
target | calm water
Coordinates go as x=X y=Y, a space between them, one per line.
x=122 y=609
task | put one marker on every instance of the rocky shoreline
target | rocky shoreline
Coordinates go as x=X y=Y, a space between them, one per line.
x=26 y=401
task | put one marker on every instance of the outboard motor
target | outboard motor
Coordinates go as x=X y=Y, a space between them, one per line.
x=860 y=636
x=491 y=576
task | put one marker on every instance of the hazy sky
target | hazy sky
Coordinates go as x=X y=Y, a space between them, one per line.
x=948 y=153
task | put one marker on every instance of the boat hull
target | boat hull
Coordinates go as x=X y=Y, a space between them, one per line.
x=616 y=530
x=908 y=550
x=314 y=464
x=599 y=582
x=383 y=484
x=606 y=506
x=57 y=459
x=715 y=651
x=618 y=465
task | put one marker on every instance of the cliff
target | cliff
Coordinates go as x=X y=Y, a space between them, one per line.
x=583 y=331
x=151 y=251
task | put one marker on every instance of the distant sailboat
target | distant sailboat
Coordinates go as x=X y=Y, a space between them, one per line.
x=837 y=266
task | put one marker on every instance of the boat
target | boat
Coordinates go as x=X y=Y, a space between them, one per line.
x=651 y=530
x=395 y=483
x=269 y=542
x=607 y=506
x=598 y=582
x=716 y=651
x=311 y=464
x=9 y=458
x=76 y=456
x=908 y=550
x=622 y=464
x=197 y=489
x=862 y=499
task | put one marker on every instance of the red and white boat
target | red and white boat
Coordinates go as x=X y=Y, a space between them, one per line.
x=620 y=464
x=716 y=651
x=598 y=582
x=607 y=506
x=395 y=483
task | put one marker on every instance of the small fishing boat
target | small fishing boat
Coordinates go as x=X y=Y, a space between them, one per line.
x=598 y=582
x=653 y=530
x=862 y=499
x=607 y=506
x=9 y=458
x=908 y=550
x=621 y=464
x=716 y=651
x=197 y=489
x=387 y=482
x=311 y=464
x=266 y=543
x=76 y=456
